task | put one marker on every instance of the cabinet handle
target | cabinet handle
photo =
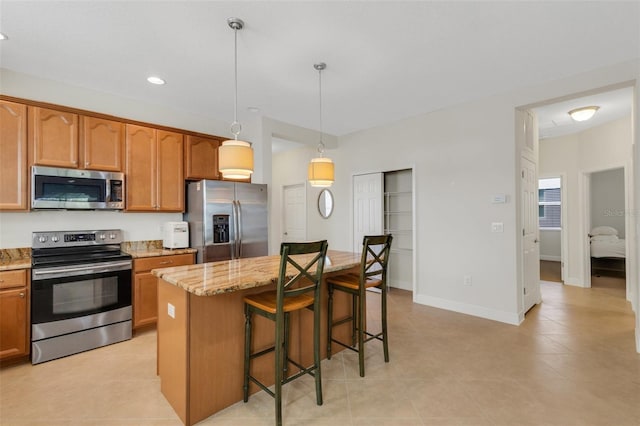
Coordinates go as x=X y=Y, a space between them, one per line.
x=166 y=262
x=21 y=295
x=86 y=163
x=1 y=281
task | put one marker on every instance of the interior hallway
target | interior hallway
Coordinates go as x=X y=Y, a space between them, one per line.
x=572 y=362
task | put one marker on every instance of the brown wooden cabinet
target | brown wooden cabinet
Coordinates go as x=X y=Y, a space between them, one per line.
x=145 y=285
x=201 y=157
x=53 y=137
x=13 y=157
x=154 y=169
x=101 y=144
x=14 y=314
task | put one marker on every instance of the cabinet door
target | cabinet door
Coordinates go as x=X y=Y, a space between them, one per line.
x=170 y=172
x=141 y=169
x=53 y=137
x=13 y=323
x=145 y=300
x=201 y=158
x=101 y=144
x=13 y=156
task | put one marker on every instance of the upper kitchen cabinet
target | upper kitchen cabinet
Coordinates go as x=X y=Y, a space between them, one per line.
x=201 y=158
x=13 y=156
x=154 y=169
x=101 y=144
x=53 y=137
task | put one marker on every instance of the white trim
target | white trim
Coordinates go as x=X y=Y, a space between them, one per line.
x=551 y=258
x=638 y=340
x=475 y=310
x=574 y=281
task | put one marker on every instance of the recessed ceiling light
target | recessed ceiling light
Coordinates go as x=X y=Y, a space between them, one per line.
x=3 y=36
x=584 y=113
x=155 y=80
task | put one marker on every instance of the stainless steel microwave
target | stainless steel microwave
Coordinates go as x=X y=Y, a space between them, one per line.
x=73 y=189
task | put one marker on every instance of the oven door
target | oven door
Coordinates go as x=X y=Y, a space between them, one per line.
x=74 y=291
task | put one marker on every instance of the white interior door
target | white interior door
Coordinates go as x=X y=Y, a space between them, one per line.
x=294 y=226
x=530 y=238
x=367 y=207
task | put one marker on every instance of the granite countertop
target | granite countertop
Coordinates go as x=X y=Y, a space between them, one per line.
x=152 y=248
x=15 y=258
x=213 y=278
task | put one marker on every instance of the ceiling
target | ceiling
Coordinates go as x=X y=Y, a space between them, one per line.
x=385 y=60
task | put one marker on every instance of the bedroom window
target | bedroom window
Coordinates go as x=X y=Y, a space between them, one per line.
x=549 y=203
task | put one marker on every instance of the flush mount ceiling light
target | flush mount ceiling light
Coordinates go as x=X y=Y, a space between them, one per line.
x=584 y=113
x=235 y=157
x=155 y=80
x=321 y=173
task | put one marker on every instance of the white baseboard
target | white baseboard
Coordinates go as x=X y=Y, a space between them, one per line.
x=550 y=258
x=402 y=285
x=512 y=318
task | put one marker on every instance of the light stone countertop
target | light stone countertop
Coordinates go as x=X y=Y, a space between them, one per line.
x=15 y=258
x=209 y=279
x=151 y=248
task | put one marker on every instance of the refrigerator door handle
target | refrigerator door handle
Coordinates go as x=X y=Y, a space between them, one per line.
x=234 y=243
x=239 y=206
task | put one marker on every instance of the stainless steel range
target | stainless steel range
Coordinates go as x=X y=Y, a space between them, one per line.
x=80 y=292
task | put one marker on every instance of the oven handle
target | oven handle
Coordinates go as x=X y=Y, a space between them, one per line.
x=41 y=274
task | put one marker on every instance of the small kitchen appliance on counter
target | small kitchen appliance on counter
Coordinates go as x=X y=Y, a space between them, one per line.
x=175 y=235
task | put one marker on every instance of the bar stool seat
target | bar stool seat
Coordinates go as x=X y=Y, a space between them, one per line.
x=373 y=274
x=294 y=292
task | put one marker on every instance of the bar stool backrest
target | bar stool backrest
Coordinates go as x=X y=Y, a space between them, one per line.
x=375 y=257
x=306 y=279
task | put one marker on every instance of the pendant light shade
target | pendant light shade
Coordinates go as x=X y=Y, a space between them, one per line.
x=321 y=172
x=235 y=157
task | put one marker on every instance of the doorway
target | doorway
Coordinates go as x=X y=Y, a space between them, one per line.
x=294 y=213
x=550 y=224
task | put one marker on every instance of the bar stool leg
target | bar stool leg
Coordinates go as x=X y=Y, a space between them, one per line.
x=279 y=366
x=385 y=343
x=316 y=353
x=354 y=316
x=361 y=329
x=247 y=351
x=329 y=320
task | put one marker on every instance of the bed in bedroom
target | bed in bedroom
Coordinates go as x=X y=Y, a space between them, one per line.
x=608 y=254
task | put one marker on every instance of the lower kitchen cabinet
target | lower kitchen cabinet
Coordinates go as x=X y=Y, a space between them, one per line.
x=14 y=314
x=145 y=285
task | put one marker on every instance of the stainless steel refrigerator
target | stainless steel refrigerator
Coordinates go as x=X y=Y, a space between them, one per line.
x=227 y=220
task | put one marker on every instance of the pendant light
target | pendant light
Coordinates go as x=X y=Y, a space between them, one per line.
x=320 y=173
x=235 y=157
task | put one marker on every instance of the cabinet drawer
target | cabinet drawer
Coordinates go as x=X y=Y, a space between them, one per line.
x=17 y=278
x=149 y=263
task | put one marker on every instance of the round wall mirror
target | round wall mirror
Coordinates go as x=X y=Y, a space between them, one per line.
x=325 y=203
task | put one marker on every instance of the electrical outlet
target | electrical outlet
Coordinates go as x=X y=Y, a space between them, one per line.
x=171 y=310
x=497 y=227
x=467 y=280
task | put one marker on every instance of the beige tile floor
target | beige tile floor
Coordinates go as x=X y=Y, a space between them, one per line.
x=572 y=362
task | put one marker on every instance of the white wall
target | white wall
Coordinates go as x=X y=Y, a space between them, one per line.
x=16 y=228
x=550 y=245
x=607 y=199
x=462 y=156
x=599 y=148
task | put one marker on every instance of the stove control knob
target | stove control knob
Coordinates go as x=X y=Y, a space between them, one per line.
x=102 y=236
x=43 y=239
x=55 y=238
x=112 y=236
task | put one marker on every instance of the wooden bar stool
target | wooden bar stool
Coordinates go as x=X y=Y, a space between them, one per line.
x=373 y=273
x=293 y=293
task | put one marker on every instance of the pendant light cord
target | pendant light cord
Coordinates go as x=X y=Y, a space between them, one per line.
x=235 y=126
x=321 y=144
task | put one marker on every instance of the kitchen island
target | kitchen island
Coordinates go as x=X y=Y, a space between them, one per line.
x=201 y=329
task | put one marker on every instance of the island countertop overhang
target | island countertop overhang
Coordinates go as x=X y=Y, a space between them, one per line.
x=210 y=279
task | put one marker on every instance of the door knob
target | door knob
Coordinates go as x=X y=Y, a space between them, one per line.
x=286 y=233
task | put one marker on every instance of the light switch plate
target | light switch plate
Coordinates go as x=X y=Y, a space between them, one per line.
x=497 y=227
